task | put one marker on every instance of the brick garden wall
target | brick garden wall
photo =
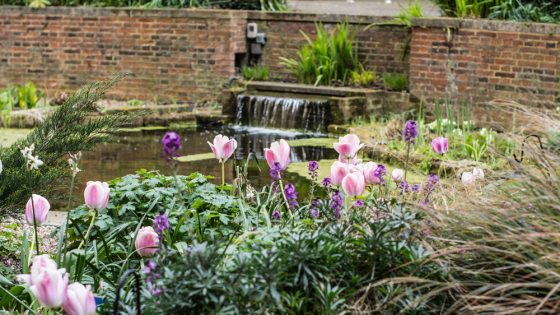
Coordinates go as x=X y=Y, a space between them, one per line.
x=173 y=54
x=478 y=60
x=380 y=48
x=187 y=55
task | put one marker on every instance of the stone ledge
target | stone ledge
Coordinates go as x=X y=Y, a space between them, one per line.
x=308 y=89
x=489 y=25
x=324 y=18
x=93 y=12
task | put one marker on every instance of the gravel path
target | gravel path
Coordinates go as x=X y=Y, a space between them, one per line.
x=47 y=235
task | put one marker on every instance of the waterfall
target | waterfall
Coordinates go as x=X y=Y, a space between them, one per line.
x=281 y=112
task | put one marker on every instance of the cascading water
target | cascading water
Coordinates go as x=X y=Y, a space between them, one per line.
x=281 y=112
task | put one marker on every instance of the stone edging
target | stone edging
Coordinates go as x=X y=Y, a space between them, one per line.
x=489 y=25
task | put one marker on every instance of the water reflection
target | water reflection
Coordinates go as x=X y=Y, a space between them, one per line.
x=132 y=151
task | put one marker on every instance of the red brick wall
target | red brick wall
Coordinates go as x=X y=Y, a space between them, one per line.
x=479 y=60
x=380 y=48
x=181 y=55
x=187 y=55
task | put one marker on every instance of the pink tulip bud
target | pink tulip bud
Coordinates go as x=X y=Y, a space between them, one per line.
x=49 y=287
x=38 y=264
x=96 y=195
x=338 y=172
x=354 y=184
x=41 y=206
x=223 y=147
x=279 y=152
x=369 y=175
x=478 y=173
x=79 y=300
x=348 y=146
x=440 y=145
x=467 y=178
x=147 y=242
x=397 y=174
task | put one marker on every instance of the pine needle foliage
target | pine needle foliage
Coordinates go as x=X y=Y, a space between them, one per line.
x=72 y=127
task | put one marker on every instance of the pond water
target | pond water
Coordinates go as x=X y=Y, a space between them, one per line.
x=131 y=151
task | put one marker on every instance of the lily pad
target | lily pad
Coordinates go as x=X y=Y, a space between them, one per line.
x=313 y=142
x=10 y=136
x=196 y=157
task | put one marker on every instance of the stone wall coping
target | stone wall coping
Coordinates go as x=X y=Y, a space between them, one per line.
x=197 y=13
x=313 y=17
x=124 y=12
x=488 y=25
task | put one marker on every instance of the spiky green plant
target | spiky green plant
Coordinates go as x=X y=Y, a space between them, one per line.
x=328 y=59
x=70 y=128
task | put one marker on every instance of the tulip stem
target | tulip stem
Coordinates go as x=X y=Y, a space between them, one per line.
x=35 y=225
x=63 y=229
x=223 y=172
x=285 y=199
x=89 y=229
x=406 y=161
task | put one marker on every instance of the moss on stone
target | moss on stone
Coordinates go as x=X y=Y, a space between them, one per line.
x=196 y=157
x=313 y=142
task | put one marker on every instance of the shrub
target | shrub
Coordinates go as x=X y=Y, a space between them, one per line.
x=517 y=10
x=300 y=268
x=257 y=72
x=68 y=129
x=363 y=77
x=395 y=81
x=328 y=59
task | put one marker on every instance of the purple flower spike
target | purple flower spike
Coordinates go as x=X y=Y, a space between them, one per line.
x=276 y=215
x=429 y=187
x=358 y=203
x=276 y=171
x=171 y=143
x=291 y=195
x=313 y=167
x=410 y=131
x=161 y=223
x=337 y=203
x=327 y=182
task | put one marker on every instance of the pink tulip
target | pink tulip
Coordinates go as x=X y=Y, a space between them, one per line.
x=80 y=300
x=397 y=174
x=369 y=175
x=41 y=206
x=440 y=145
x=38 y=264
x=348 y=146
x=338 y=172
x=279 y=152
x=49 y=287
x=478 y=173
x=96 y=195
x=354 y=184
x=467 y=178
x=223 y=147
x=147 y=242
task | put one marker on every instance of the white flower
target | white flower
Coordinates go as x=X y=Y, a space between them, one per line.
x=33 y=162
x=73 y=162
x=1 y=167
x=478 y=173
x=467 y=178
x=28 y=151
